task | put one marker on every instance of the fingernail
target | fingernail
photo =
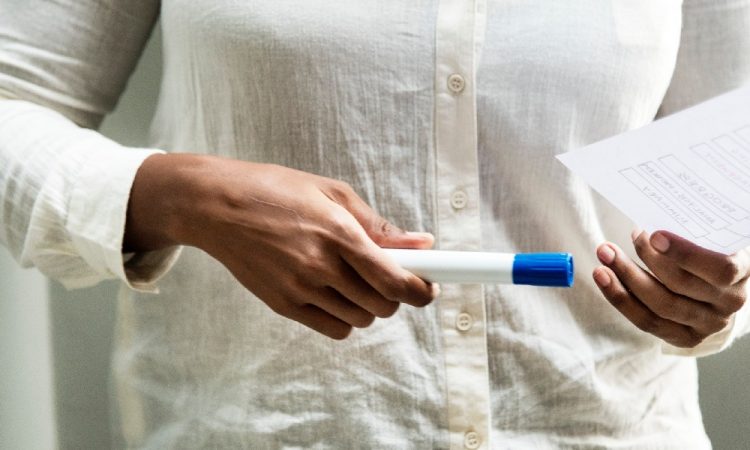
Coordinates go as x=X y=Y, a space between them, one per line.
x=435 y=290
x=660 y=242
x=420 y=234
x=601 y=277
x=606 y=254
x=636 y=232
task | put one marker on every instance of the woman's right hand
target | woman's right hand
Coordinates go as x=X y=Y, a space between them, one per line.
x=308 y=246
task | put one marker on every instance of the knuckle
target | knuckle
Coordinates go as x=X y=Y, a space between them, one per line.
x=729 y=272
x=680 y=281
x=419 y=295
x=397 y=288
x=311 y=252
x=296 y=280
x=619 y=299
x=677 y=342
x=688 y=338
x=693 y=339
x=340 y=333
x=318 y=269
x=364 y=320
x=421 y=301
x=380 y=228
x=678 y=252
x=340 y=190
x=340 y=222
x=734 y=301
x=387 y=309
x=284 y=308
x=625 y=270
x=310 y=261
x=344 y=188
x=640 y=245
x=386 y=228
x=720 y=323
x=680 y=342
x=648 y=324
x=665 y=306
x=691 y=316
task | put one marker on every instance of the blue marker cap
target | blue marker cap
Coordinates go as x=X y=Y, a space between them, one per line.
x=543 y=269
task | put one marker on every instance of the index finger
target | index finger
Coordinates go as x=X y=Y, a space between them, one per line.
x=385 y=275
x=713 y=267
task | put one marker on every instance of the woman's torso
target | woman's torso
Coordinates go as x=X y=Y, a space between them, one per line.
x=348 y=90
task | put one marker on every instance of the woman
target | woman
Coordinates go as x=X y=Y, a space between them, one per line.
x=288 y=125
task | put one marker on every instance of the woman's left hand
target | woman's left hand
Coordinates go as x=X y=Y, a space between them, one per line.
x=690 y=294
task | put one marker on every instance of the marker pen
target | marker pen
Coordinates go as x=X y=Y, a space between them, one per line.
x=538 y=269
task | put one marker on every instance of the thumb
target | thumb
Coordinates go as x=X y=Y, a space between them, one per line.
x=388 y=235
x=380 y=230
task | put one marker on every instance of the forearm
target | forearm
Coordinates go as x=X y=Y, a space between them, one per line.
x=64 y=193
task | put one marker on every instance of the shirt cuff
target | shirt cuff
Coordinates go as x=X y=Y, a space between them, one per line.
x=96 y=222
x=144 y=269
x=738 y=325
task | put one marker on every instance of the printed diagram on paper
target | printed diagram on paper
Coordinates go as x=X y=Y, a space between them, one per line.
x=690 y=199
x=688 y=173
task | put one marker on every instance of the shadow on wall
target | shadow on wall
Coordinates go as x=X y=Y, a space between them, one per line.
x=82 y=323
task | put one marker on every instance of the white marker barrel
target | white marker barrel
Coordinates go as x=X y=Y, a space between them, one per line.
x=538 y=269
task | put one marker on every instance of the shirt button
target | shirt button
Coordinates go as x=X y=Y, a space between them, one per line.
x=464 y=321
x=459 y=199
x=471 y=440
x=456 y=83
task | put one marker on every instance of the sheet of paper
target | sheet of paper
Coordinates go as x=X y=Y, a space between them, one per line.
x=688 y=173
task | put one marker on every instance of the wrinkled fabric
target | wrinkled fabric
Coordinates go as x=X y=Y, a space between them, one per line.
x=353 y=90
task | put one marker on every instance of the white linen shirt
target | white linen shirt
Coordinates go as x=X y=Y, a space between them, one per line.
x=445 y=116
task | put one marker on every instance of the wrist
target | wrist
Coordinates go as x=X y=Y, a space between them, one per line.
x=162 y=201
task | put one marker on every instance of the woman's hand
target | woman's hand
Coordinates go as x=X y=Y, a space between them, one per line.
x=690 y=294
x=306 y=245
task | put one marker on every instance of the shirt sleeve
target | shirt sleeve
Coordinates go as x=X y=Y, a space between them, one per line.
x=714 y=58
x=64 y=188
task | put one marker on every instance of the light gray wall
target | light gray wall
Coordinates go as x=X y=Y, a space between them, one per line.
x=725 y=396
x=77 y=345
x=26 y=412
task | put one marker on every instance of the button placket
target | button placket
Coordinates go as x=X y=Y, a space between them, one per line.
x=458 y=35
